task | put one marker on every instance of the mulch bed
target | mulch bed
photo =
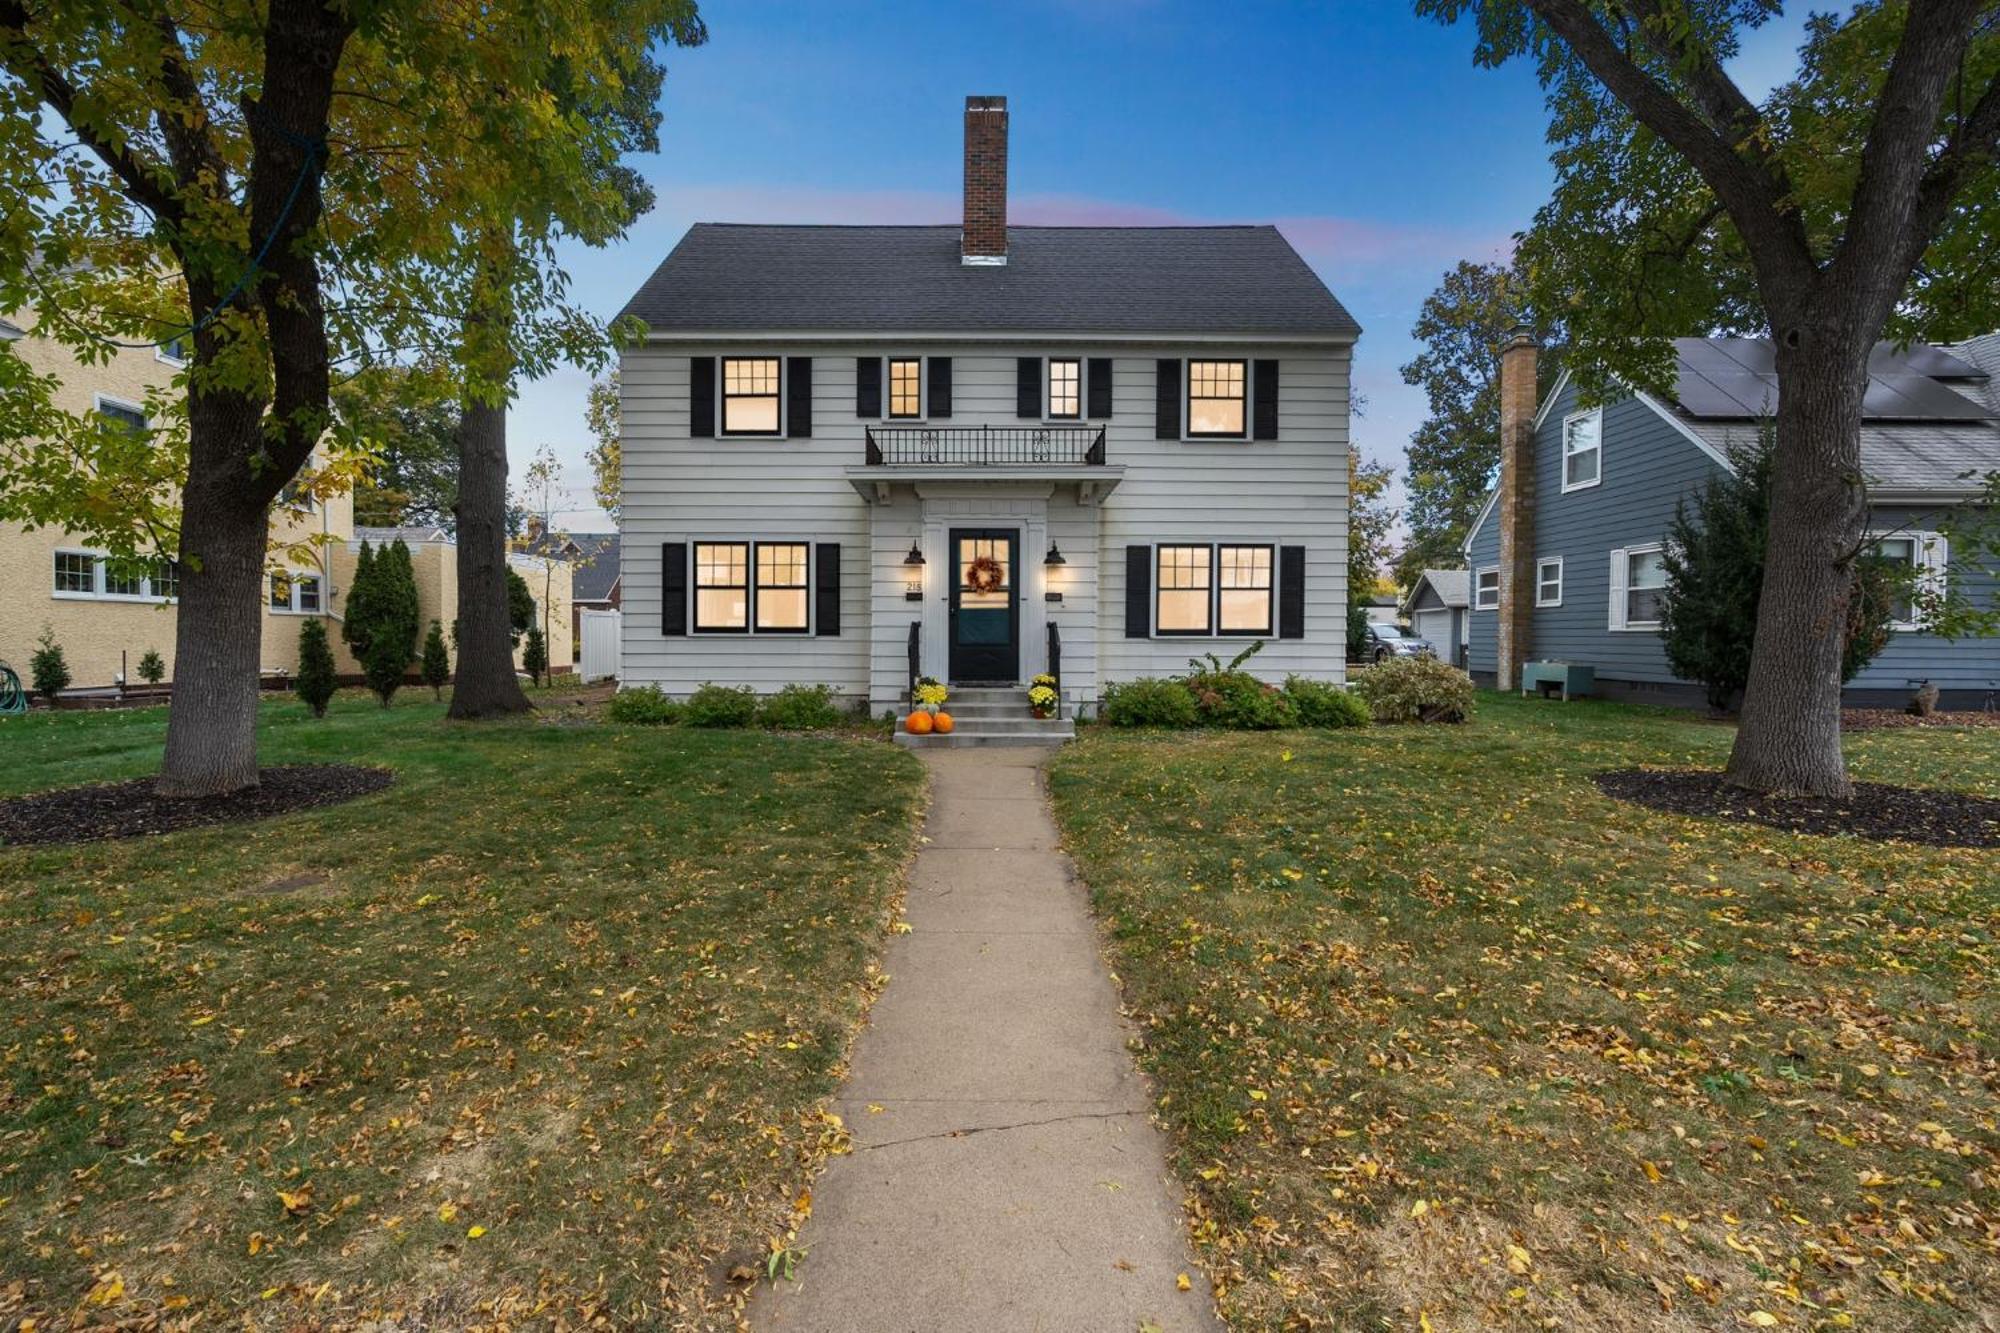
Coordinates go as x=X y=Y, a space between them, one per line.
x=1877 y=812
x=1871 y=719
x=131 y=809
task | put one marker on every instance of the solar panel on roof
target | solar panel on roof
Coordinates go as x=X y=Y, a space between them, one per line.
x=1917 y=398
x=1736 y=379
x=1921 y=359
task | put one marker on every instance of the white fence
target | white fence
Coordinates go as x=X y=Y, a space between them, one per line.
x=597 y=655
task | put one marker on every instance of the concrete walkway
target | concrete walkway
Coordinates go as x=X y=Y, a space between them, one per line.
x=1005 y=1175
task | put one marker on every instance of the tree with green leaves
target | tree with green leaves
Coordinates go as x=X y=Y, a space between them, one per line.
x=409 y=417
x=520 y=609
x=1854 y=203
x=358 y=616
x=1454 y=455
x=436 y=668
x=607 y=456
x=1714 y=559
x=271 y=187
x=535 y=656
x=316 y=680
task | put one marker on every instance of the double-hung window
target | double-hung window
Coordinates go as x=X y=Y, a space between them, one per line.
x=1065 y=387
x=1549 y=581
x=906 y=388
x=125 y=414
x=750 y=395
x=1217 y=398
x=1583 y=449
x=1638 y=587
x=1916 y=561
x=1213 y=590
x=1486 y=589
x=751 y=587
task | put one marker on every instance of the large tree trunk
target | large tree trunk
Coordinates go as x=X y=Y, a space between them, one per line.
x=1789 y=739
x=212 y=724
x=485 y=685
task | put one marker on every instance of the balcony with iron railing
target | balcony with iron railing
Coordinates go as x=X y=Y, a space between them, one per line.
x=918 y=454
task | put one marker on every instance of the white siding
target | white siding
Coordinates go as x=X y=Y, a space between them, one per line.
x=1292 y=491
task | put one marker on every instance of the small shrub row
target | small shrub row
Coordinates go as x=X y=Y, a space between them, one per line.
x=1233 y=700
x=794 y=708
x=1415 y=689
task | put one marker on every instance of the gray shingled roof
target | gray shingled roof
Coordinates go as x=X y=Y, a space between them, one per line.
x=597 y=570
x=1982 y=353
x=1453 y=586
x=1107 y=280
x=1895 y=455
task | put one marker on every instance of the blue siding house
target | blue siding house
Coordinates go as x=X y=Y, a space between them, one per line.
x=1595 y=489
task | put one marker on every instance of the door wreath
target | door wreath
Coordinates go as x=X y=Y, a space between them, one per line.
x=984 y=574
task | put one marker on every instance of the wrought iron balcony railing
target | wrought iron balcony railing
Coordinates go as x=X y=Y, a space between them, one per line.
x=985 y=446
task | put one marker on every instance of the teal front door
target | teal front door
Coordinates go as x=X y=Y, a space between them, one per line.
x=985 y=607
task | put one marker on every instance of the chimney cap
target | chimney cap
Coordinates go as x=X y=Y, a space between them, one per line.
x=975 y=102
x=1522 y=332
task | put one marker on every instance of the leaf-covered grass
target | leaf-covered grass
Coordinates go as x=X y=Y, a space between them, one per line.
x=1444 y=1034
x=541 y=1032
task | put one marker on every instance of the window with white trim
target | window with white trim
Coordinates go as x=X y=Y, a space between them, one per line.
x=1638 y=586
x=1065 y=387
x=1486 y=589
x=1923 y=554
x=752 y=587
x=750 y=395
x=906 y=387
x=1583 y=449
x=81 y=574
x=174 y=351
x=125 y=414
x=1549 y=581
x=295 y=594
x=1218 y=398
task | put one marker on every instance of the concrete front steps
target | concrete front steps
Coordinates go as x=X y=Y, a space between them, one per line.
x=990 y=716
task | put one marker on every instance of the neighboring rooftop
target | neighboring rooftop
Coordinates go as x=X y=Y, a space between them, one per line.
x=744 y=278
x=1929 y=418
x=409 y=536
x=1453 y=586
x=595 y=572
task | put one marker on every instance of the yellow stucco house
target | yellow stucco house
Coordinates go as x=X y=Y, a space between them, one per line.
x=50 y=579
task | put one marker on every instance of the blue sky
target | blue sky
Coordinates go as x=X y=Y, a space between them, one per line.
x=1367 y=135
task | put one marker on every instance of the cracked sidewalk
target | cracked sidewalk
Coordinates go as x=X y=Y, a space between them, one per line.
x=1006 y=1174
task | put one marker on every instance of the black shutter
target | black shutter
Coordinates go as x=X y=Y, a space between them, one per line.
x=1100 y=387
x=1291 y=592
x=701 y=397
x=1166 y=399
x=799 y=397
x=1028 y=386
x=826 y=590
x=867 y=386
x=937 y=386
x=1138 y=592
x=673 y=588
x=1264 y=400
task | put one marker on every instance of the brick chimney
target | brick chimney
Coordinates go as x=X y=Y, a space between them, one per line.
x=984 y=240
x=1516 y=505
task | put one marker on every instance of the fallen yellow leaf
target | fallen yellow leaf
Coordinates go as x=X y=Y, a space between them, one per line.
x=475 y=1233
x=1184 y=1282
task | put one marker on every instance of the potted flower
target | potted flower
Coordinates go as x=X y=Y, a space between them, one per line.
x=930 y=693
x=1042 y=697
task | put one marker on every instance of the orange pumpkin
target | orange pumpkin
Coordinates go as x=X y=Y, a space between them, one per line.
x=942 y=723
x=918 y=724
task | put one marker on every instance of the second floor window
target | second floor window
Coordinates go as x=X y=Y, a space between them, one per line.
x=125 y=414
x=1216 y=398
x=1583 y=450
x=750 y=395
x=906 y=387
x=295 y=592
x=1065 y=387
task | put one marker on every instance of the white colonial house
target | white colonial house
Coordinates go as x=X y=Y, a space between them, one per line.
x=856 y=454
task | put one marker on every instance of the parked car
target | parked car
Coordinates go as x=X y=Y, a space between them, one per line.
x=1387 y=641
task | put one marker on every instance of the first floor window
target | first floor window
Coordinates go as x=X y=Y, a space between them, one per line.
x=125 y=414
x=295 y=592
x=123 y=582
x=1486 y=593
x=1245 y=600
x=781 y=587
x=1214 y=589
x=76 y=573
x=1549 y=582
x=1216 y=398
x=722 y=586
x=1184 y=588
x=1912 y=558
x=167 y=580
x=1065 y=387
x=1645 y=586
x=906 y=387
x=750 y=395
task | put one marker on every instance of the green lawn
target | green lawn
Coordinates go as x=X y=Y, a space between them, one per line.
x=539 y=1034
x=1444 y=1036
